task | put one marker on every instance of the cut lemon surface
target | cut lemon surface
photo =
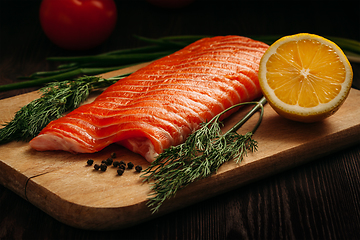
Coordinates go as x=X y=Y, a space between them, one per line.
x=305 y=77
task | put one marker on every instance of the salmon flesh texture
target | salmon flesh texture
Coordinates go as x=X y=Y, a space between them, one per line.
x=161 y=104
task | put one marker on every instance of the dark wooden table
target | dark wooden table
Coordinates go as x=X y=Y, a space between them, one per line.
x=318 y=200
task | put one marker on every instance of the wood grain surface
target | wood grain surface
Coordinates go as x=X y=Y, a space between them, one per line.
x=62 y=185
x=316 y=200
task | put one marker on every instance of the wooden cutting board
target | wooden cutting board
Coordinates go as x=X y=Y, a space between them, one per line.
x=62 y=185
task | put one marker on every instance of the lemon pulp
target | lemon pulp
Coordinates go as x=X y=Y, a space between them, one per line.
x=305 y=77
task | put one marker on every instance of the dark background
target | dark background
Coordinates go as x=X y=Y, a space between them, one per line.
x=319 y=200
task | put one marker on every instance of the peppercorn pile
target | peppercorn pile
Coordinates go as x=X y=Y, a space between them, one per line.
x=120 y=165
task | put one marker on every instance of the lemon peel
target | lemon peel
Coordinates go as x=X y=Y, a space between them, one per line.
x=305 y=77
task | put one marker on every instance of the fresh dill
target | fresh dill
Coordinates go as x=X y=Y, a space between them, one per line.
x=201 y=155
x=56 y=99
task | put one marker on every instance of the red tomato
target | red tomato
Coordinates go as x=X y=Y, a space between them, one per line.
x=78 y=24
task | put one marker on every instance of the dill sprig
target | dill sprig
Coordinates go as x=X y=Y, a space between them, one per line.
x=201 y=155
x=56 y=99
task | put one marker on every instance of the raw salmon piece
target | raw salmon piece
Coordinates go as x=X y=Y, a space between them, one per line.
x=160 y=105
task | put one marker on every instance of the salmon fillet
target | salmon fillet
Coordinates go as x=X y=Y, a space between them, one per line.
x=161 y=104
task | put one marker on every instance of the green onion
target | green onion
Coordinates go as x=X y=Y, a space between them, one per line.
x=114 y=59
x=59 y=77
x=73 y=67
x=347 y=45
x=56 y=99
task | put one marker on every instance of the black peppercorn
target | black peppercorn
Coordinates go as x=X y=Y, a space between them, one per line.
x=113 y=155
x=122 y=163
x=103 y=167
x=138 y=168
x=90 y=162
x=116 y=163
x=130 y=165
x=96 y=166
x=122 y=166
x=120 y=171
x=109 y=161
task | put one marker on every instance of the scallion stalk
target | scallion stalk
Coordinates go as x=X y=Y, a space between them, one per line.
x=96 y=64
x=59 y=77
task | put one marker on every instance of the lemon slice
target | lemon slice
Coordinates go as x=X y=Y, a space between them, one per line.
x=305 y=77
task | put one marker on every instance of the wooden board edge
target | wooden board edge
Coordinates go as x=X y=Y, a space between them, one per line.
x=84 y=217
x=13 y=180
x=266 y=167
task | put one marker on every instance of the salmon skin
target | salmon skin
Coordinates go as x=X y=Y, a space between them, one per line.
x=159 y=105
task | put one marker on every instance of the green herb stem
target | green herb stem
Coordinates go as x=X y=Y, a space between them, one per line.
x=162 y=42
x=346 y=44
x=186 y=38
x=349 y=45
x=56 y=99
x=258 y=106
x=115 y=58
x=144 y=49
x=77 y=59
x=166 y=43
x=85 y=69
x=201 y=155
x=58 y=77
x=48 y=73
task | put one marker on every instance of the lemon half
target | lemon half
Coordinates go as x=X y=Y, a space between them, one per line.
x=305 y=77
